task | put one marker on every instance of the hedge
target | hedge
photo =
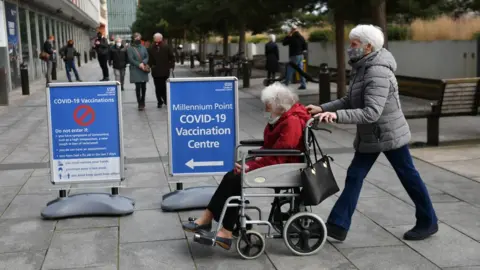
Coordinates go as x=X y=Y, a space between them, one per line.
x=398 y=32
x=322 y=36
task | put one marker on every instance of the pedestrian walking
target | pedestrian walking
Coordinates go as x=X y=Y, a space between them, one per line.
x=48 y=57
x=102 y=48
x=297 y=46
x=118 y=59
x=373 y=104
x=161 y=59
x=68 y=54
x=273 y=57
x=139 y=69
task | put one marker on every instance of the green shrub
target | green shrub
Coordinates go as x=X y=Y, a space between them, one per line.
x=398 y=32
x=280 y=37
x=476 y=36
x=321 y=36
x=234 y=39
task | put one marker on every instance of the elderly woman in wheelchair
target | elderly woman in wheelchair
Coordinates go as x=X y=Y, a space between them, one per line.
x=276 y=164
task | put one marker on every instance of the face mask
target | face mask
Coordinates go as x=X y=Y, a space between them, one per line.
x=271 y=120
x=70 y=45
x=119 y=45
x=355 y=53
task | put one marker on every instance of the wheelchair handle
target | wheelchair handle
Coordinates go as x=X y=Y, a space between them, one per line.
x=313 y=124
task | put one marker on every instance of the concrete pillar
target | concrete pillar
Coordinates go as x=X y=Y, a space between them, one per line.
x=38 y=69
x=31 y=65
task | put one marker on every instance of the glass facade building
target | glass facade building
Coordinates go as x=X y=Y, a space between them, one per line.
x=121 y=15
x=28 y=24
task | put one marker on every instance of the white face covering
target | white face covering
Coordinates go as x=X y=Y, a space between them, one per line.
x=271 y=120
x=119 y=45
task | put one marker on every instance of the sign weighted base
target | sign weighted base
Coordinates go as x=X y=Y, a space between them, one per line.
x=88 y=205
x=188 y=199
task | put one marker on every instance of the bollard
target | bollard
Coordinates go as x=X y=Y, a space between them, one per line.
x=192 y=63
x=91 y=55
x=85 y=56
x=24 y=79
x=246 y=74
x=79 y=60
x=3 y=86
x=54 y=71
x=182 y=58
x=324 y=84
x=211 y=66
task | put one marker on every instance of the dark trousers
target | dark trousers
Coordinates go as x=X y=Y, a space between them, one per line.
x=270 y=75
x=102 y=60
x=141 y=90
x=69 y=66
x=230 y=186
x=402 y=163
x=161 y=89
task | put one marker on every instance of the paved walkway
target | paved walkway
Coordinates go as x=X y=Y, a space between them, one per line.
x=152 y=239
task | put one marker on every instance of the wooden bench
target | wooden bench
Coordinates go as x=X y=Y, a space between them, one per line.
x=446 y=98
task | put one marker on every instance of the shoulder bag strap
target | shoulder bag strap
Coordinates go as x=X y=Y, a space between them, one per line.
x=139 y=55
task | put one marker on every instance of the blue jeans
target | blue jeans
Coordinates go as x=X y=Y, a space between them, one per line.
x=70 y=65
x=298 y=59
x=402 y=162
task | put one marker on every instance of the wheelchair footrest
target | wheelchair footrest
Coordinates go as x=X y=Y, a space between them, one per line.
x=204 y=240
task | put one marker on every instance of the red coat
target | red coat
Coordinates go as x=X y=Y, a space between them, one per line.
x=286 y=133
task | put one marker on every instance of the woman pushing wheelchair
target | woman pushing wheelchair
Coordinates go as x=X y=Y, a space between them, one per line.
x=286 y=123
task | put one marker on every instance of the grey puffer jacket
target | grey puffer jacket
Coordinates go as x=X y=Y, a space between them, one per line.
x=373 y=104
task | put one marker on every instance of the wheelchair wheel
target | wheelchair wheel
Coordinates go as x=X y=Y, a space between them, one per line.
x=305 y=233
x=251 y=245
x=238 y=225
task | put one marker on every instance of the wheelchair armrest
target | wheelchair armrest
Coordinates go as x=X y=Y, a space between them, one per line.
x=274 y=152
x=252 y=142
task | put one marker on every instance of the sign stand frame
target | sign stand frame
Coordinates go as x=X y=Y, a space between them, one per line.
x=194 y=198
x=94 y=203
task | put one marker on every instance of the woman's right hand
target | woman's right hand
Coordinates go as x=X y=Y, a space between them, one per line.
x=312 y=109
x=141 y=66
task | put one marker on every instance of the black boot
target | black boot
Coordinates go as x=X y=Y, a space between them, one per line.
x=336 y=232
x=418 y=233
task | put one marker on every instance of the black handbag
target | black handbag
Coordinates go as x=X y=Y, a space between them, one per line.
x=318 y=181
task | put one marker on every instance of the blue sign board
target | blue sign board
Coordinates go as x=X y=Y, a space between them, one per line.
x=12 y=28
x=85 y=128
x=203 y=125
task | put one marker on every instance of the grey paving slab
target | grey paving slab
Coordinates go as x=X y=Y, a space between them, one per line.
x=461 y=216
x=145 y=198
x=24 y=206
x=22 y=260
x=99 y=247
x=41 y=185
x=216 y=258
x=108 y=267
x=463 y=268
x=17 y=235
x=387 y=211
x=150 y=225
x=448 y=248
x=381 y=258
x=172 y=254
x=327 y=258
x=14 y=177
x=6 y=196
x=87 y=223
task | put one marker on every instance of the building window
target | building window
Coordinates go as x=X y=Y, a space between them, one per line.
x=24 y=34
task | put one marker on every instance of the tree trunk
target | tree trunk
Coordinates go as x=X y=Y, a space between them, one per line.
x=204 y=48
x=225 y=40
x=379 y=15
x=340 y=52
x=242 y=39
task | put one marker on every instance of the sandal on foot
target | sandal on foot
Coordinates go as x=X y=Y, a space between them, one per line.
x=191 y=226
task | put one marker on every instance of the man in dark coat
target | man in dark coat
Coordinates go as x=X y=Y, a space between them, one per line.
x=68 y=54
x=50 y=50
x=118 y=59
x=161 y=60
x=102 y=48
x=297 y=46
x=272 y=56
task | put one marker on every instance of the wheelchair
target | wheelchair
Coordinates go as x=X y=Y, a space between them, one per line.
x=303 y=232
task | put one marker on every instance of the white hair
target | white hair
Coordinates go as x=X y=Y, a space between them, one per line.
x=368 y=34
x=279 y=96
x=272 y=37
x=158 y=35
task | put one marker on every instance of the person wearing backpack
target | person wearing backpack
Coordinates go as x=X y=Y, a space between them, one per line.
x=68 y=54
